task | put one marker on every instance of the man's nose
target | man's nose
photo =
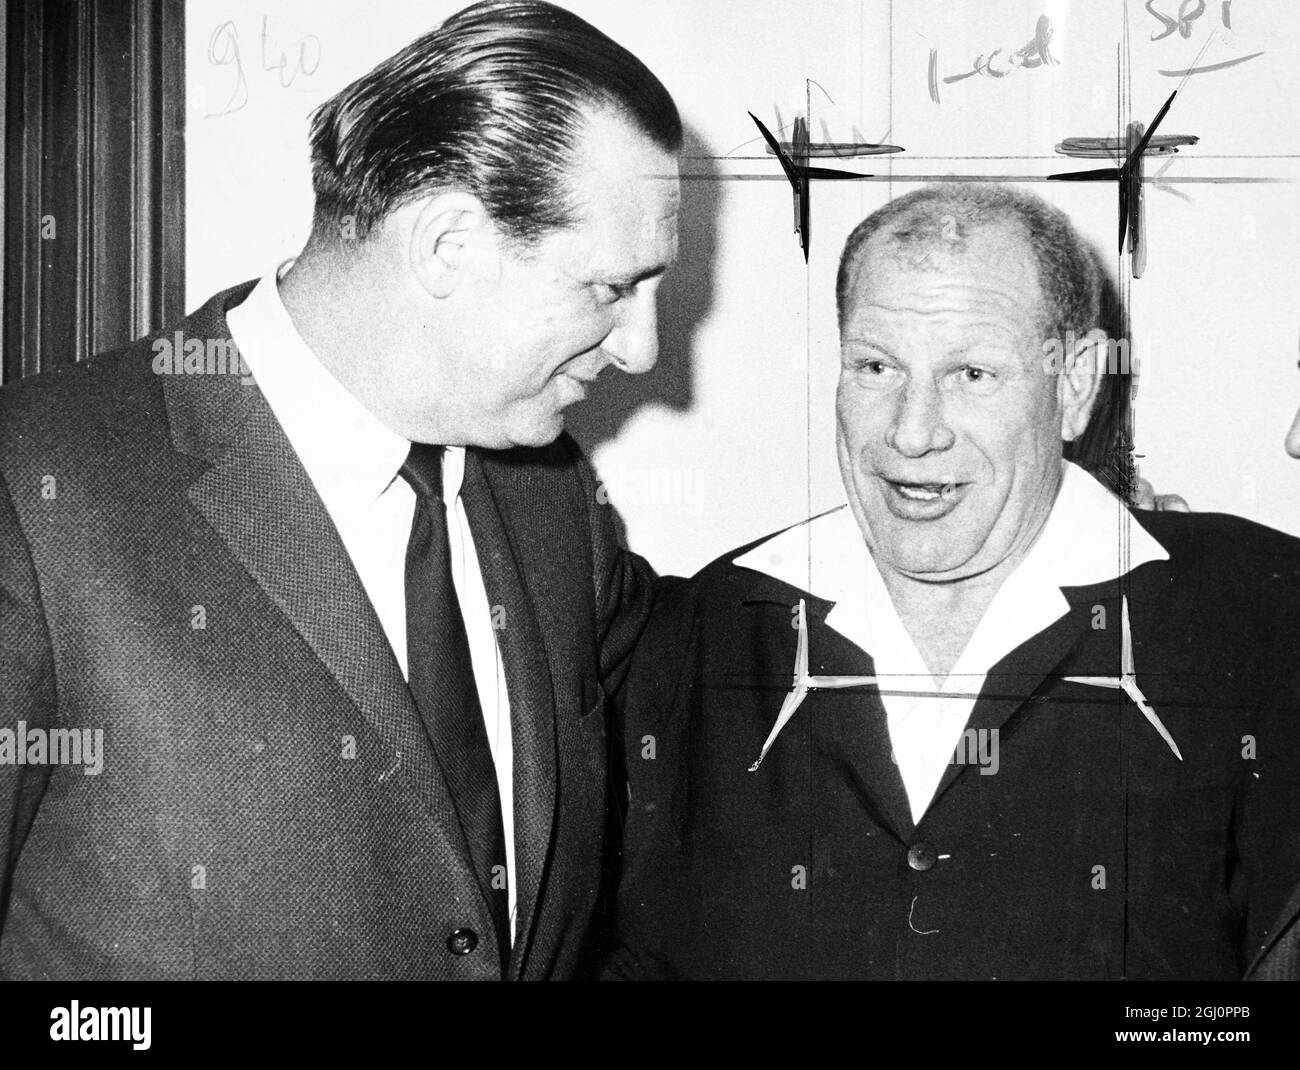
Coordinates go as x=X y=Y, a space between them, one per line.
x=633 y=344
x=918 y=427
x=1293 y=438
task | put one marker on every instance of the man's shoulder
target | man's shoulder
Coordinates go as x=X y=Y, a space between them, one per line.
x=116 y=395
x=74 y=405
x=739 y=574
x=1226 y=547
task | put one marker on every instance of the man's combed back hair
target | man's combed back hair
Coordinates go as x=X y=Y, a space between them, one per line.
x=948 y=215
x=493 y=102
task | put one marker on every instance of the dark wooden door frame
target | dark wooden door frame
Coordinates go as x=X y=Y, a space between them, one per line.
x=94 y=176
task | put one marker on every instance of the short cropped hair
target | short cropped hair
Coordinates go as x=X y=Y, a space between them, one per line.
x=493 y=101
x=1068 y=276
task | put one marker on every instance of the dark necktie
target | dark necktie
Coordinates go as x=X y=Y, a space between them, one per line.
x=441 y=677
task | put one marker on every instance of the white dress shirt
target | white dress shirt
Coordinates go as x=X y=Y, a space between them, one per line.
x=353 y=461
x=1089 y=537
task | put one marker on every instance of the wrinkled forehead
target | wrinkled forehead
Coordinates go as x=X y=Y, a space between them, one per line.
x=990 y=275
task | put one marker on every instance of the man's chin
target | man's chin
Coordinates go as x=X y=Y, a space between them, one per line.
x=925 y=555
x=927 y=569
x=537 y=432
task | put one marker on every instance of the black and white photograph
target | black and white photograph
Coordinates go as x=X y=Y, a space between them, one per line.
x=688 y=490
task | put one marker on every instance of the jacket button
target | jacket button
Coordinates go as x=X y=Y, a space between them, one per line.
x=920 y=856
x=462 y=941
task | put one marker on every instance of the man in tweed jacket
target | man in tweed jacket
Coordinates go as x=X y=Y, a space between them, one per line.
x=202 y=540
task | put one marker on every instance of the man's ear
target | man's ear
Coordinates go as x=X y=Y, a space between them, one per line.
x=1079 y=382
x=451 y=238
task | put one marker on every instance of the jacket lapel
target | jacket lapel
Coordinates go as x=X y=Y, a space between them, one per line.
x=847 y=725
x=1014 y=681
x=529 y=688
x=866 y=744
x=258 y=499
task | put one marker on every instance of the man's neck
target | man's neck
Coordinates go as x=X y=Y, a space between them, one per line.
x=358 y=322
x=941 y=618
x=322 y=297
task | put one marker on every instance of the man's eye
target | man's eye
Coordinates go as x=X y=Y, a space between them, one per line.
x=970 y=375
x=874 y=373
x=616 y=291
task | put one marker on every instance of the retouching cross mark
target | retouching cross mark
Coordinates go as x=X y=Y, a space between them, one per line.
x=1132 y=224
x=1126 y=681
x=804 y=682
x=800 y=174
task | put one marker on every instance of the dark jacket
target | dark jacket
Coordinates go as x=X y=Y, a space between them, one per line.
x=270 y=805
x=1092 y=852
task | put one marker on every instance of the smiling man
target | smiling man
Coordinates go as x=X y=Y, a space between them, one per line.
x=348 y=621
x=984 y=721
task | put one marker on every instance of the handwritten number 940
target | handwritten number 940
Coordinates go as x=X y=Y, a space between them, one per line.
x=223 y=51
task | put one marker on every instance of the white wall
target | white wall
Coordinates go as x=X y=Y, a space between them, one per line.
x=732 y=435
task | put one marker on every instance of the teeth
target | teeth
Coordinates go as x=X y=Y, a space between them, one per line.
x=919 y=494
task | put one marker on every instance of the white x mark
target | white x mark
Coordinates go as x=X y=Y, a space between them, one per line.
x=1126 y=681
x=803 y=683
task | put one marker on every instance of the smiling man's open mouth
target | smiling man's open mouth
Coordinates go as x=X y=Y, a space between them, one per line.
x=910 y=500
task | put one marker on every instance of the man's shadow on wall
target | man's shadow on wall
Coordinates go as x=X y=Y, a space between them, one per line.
x=684 y=299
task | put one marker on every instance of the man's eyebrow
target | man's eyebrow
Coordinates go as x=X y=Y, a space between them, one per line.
x=866 y=343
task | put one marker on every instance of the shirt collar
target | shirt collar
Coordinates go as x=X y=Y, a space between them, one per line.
x=351 y=456
x=1089 y=537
